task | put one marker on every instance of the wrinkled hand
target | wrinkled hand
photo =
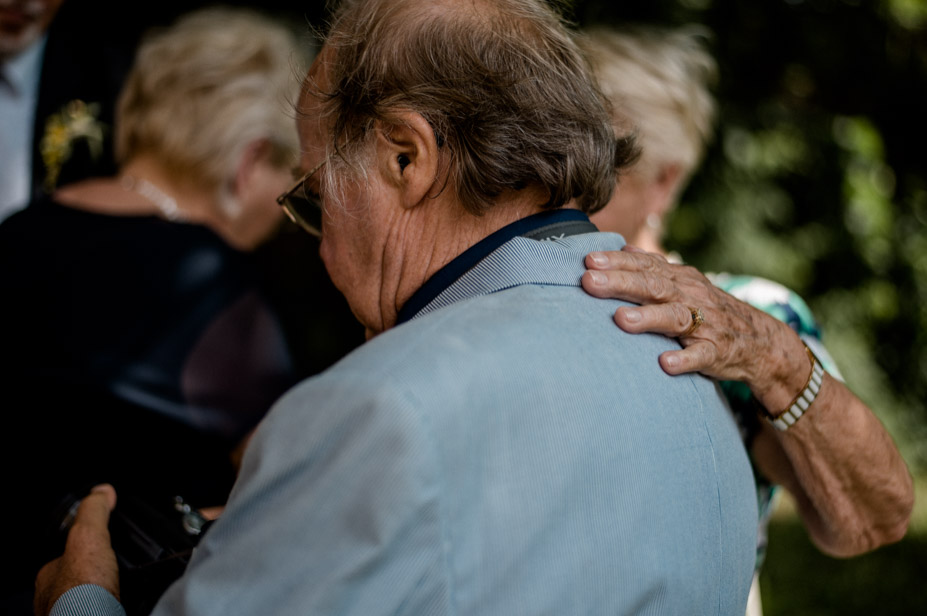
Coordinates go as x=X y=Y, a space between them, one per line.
x=88 y=556
x=736 y=342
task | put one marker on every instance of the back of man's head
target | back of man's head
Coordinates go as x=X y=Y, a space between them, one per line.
x=502 y=83
x=658 y=81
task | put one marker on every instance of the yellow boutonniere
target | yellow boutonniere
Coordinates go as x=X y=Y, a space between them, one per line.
x=76 y=120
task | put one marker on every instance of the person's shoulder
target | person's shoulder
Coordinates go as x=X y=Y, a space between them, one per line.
x=408 y=359
x=377 y=381
x=40 y=216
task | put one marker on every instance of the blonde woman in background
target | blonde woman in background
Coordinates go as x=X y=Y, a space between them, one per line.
x=852 y=488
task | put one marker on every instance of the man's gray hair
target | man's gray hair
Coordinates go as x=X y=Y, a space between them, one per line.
x=502 y=83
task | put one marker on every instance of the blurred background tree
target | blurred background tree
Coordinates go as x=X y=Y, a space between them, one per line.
x=818 y=180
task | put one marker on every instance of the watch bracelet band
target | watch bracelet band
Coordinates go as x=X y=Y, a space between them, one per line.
x=803 y=400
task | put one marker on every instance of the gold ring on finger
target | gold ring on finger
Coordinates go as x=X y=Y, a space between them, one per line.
x=697 y=319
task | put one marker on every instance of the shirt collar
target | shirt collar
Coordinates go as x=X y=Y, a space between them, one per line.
x=21 y=73
x=447 y=275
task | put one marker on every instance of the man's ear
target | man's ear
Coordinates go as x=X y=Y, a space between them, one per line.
x=408 y=156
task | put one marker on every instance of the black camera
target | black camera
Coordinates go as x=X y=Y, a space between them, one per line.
x=153 y=541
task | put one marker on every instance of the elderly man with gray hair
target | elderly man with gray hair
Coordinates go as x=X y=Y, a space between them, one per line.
x=477 y=455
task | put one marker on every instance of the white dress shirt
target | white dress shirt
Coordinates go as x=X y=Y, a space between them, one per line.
x=19 y=90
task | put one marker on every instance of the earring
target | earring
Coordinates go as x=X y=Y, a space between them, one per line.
x=229 y=203
x=654 y=222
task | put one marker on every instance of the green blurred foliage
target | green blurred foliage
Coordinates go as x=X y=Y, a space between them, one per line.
x=798 y=580
x=818 y=176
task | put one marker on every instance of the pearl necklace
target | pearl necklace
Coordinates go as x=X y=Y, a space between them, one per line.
x=163 y=201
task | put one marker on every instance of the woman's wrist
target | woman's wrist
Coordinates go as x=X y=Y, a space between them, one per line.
x=783 y=374
x=805 y=398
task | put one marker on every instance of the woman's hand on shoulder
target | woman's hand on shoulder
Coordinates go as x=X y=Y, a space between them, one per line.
x=732 y=340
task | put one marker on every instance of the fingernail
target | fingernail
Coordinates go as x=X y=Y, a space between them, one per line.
x=597 y=277
x=632 y=316
x=598 y=258
x=671 y=361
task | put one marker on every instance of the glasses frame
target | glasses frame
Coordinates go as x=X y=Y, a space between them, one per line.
x=285 y=201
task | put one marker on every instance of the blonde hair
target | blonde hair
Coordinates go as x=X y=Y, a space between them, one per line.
x=658 y=81
x=201 y=90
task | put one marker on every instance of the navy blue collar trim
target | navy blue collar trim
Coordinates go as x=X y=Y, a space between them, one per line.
x=448 y=275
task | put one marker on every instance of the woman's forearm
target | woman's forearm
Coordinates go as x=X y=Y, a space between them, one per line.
x=852 y=488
